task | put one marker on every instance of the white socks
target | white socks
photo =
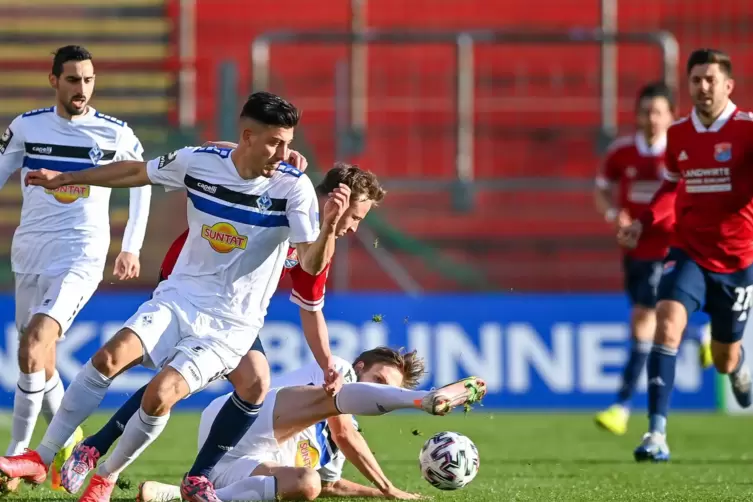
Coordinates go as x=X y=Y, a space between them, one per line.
x=140 y=431
x=253 y=488
x=80 y=400
x=53 y=396
x=26 y=407
x=376 y=399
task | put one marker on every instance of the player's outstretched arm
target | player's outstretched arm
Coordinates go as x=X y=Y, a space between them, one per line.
x=317 y=336
x=122 y=174
x=346 y=488
x=357 y=451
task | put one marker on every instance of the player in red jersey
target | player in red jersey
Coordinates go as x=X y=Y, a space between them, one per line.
x=308 y=293
x=632 y=170
x=709 y=167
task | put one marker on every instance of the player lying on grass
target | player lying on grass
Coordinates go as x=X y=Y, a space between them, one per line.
x=632 y=170
x=709 y=186
x=298 y=446
x=245 y=209
x=308 y=293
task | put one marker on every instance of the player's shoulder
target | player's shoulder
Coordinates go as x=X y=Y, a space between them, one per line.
x=286 y=178
x=683 y=124
x=37 y=112
x=743 y=117
x=209 y=151
x=110 y=120
x=621 y=144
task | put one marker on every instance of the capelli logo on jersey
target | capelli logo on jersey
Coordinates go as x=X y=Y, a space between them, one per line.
x=210 y=189
x=69 y=194
x=306 y=455
x=42 y=150
x=223 y=237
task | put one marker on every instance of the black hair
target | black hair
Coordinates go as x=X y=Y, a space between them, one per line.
x=710 y=56
x=68 y=53
x=656 y=90
x=270 y=109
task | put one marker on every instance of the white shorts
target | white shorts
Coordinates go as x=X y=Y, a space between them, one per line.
x=260 y=439
x=60 y=297
x=173 y=332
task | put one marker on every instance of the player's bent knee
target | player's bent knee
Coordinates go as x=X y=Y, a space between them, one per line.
x=121 y=352
x=300 y=483
x=643 y=321
x=251 y=379
x=725 y=356
x=671 y=319
x=164 y=392
x=37 y=340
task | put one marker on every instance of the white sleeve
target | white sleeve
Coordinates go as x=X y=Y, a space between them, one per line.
x=11 y=151
x=302 y=212
x=170 y=170
x=139 y=197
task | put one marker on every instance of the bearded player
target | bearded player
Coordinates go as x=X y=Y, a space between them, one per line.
x=60 y=246
x=709 y=268
x=633 y=168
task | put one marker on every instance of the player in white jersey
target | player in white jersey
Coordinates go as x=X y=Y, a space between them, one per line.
x=244 y=210
x=60 y=247
x=298 y=447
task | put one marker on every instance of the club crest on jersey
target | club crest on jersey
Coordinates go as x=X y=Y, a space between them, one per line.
x=5 y=140
x=292 y=260
x=70 y=193
x=306 y=455
x=723 y=152
x=96 y=154
x=264 y=202
x=223 y=237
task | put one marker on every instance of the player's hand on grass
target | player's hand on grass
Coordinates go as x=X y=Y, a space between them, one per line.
x=127 y=266
x=298 y=161
x=628 y=236
x=45 y=178
x=338 y=202
x=396 y=493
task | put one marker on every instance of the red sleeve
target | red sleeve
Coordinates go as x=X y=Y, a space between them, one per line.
x=663 y=203
x=609 y=172
x=308 y=290
x=168 y=263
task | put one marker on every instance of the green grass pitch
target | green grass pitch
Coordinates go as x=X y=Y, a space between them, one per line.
x=524 y=457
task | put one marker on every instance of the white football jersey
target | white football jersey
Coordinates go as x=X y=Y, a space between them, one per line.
x=239 y=232
x=68 y=228
x=313 y=447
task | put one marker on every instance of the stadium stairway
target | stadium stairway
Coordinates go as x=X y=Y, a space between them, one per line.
x=131 y=44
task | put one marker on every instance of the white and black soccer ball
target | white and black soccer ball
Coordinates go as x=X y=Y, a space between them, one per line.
x=449 y=460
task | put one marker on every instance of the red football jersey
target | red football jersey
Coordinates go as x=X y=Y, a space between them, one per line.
x=711 y=170
x=308 y=290
x=637 y=169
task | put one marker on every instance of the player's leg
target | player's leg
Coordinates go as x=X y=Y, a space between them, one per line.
x=251 y=382
x=274 y=482
x=105 y=437
x=53 y=397
x=197 y=362
x=154 y=322
x=641 y=282
x=682 y=291
x=729 y=301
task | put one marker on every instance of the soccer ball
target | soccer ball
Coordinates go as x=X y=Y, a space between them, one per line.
x=448 y=460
